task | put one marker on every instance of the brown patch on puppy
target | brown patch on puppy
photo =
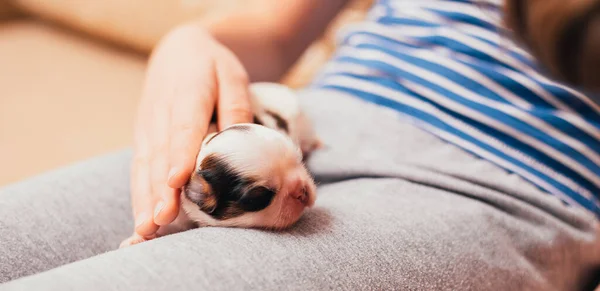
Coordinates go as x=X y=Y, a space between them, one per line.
x=281 y=123
x=201 y=193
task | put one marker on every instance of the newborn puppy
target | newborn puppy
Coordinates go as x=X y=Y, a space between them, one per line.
x=251 y=175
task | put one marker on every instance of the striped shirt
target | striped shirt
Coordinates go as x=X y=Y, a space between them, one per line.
x=450 y=67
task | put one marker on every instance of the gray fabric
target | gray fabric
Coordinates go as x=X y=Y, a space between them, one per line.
x=397 y=209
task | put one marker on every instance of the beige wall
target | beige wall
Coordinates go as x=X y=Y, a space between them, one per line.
x=62 y=98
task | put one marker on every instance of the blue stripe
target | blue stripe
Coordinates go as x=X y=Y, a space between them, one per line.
x=440 y=41
x=462 y=48
x=573 y=102
x=382 y=38
x=484 y=92
x=484 y=68
x=591 y=115
x=504 y=50
x=510 y=84
x=391 y=20
x=444 y=71
x=567 y=128
x=437 y=123
x=513 y=142
x=406 y=21
x=465 y=18
x=545 y=112
x=499 y=116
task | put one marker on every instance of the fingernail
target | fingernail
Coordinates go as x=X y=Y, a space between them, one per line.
x=172 y=173
x=141 y=219
x=159 y=207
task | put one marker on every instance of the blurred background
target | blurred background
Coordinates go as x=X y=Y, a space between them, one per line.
x=71 y=72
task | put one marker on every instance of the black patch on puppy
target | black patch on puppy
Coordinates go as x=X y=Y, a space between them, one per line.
x=281 y=123
x=257 y=120
x=226 y=193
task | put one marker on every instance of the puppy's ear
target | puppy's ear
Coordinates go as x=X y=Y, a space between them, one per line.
x=200 y=192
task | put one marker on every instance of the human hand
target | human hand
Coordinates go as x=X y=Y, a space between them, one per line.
x=189 y=74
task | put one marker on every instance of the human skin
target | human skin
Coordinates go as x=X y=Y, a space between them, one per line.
x=198 y=69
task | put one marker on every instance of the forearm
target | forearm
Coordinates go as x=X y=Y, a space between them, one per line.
x=271 y=38
x=258 y=50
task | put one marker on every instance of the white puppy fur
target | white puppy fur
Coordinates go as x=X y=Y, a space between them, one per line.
x=251 y=175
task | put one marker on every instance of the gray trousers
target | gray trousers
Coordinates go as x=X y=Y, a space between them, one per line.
x=397 y=209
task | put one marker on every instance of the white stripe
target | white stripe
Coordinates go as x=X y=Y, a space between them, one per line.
x=467 y=71
x=544 y=80
x=470 y=42
x=408 y=100
x=445 y=6
x=473 y=30
x=548 y=150
x=494 y=53
x=379 y=29
x=375 y=55
x=568 y=116
x=473 y=96
x=564 y=112
x=420 y=14
x=452 y=7
x=579 y=122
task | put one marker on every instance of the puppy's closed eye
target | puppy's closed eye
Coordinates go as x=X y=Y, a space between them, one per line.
x=256 y=199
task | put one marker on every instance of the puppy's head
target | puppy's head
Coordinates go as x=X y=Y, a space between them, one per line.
x=248 y=176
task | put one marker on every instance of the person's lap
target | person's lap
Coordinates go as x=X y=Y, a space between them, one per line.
x=397 y=209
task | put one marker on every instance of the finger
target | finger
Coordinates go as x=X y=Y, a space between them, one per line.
x=165 y=205
x=189 y=125
x=189 y=121
x=234 y=97
x=142 y=205
x=161 y=195
x=140 y=178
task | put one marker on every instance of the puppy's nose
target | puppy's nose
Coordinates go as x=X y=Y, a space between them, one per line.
x=298 y=191
x=301 y=195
